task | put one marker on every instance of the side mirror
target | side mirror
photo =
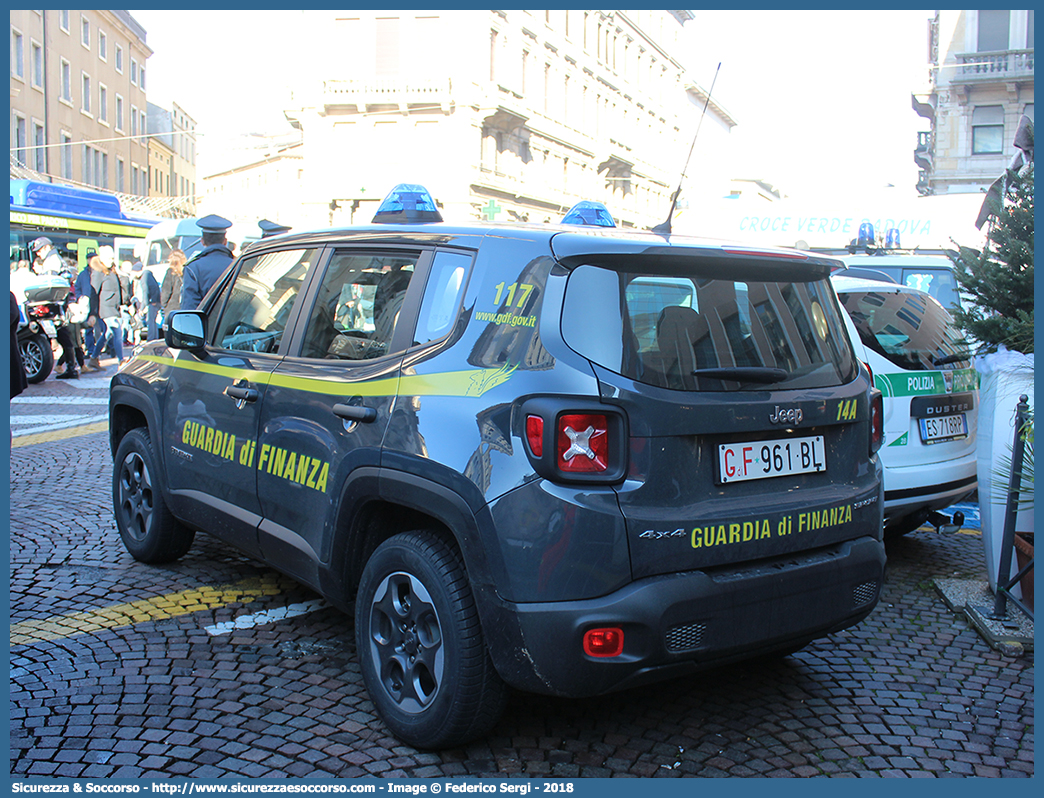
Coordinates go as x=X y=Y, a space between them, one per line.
x=186 y=329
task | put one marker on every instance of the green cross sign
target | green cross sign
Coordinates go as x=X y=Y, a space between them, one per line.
x=491 y=210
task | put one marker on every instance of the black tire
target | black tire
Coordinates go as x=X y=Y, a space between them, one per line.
x=37 y=357
x=421 y=649
x=148 y=530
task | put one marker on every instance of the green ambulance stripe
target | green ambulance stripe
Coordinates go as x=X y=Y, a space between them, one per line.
x=451 y=383
x=925 y=383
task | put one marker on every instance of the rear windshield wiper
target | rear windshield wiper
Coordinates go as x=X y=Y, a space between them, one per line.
x=744 y=374
x=951 y=359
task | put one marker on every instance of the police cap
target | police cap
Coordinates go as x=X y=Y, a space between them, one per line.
x=214 y=224
x=272 y=228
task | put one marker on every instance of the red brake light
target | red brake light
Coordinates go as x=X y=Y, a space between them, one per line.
x=876 y=422
x=535 y=435
x=606 y=642
x=583 y=443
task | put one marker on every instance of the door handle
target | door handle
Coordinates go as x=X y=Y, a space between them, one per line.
x=361 y=413
x=241 y=393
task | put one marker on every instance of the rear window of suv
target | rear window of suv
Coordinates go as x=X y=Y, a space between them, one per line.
x=695 y=333
x=911 y=330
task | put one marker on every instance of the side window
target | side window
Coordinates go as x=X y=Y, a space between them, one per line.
x=358 y=305
x=442 y=296
x=258 y=301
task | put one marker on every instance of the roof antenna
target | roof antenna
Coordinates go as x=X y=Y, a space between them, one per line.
x=665 y=228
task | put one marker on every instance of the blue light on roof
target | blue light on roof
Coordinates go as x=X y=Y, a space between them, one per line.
x=892 y=238
x=866 y=235
x=589 y=213
x=406 y=203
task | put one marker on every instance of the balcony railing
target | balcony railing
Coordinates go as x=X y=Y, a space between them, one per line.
x=999 y=65
x=391 y=91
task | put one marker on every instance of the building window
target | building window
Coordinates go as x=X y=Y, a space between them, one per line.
x=1028 y=111
x=39 y=148
x=134 y=72
x=119 y=174
x=141 y=77
x=103 y=104
x=993 y=30
x=67 y=156
x=85 y=100
x=987 y=130
x=119 y=59
x=493 y=56
x=66 y=81
x=17 y=55
x=103 y=46
x=105 y=170
x=134 y=121
x=119 y=112
x=143 y=127
x=1029 y=30
x=85 y=32
x=37 y=65
x=87 y=175
x=18 y=138
x=63 y=20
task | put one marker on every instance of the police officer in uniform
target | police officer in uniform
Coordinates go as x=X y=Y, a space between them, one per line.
x=209 y=264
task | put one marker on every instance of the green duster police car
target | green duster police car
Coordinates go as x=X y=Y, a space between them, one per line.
x=568 y=459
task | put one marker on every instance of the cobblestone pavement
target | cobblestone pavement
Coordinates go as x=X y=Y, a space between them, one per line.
x=114 y=674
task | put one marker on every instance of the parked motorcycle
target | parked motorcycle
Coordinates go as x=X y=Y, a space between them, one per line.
x=41 y=314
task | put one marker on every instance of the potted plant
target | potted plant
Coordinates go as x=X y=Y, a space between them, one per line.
x=997 y=282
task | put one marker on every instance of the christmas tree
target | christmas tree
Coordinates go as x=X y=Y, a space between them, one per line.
x=999 y=278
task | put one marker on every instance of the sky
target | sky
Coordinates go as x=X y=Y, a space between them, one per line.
x=819 y=96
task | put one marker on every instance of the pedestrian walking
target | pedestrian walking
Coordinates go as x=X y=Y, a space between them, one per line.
x=108 y=288
x=146 y=297
x=209 y=264
x=170 y=291
x=86 y=307
x=18 y=379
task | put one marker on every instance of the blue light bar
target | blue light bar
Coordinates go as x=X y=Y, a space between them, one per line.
x=407 y=203
x=866 y=235
x=589 y=213
x=892 y=238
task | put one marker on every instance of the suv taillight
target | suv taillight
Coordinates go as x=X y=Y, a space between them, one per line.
x=574 y=440
x=876 y=421
x=583 y=443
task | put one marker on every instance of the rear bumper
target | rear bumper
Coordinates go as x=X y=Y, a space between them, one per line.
x=680 y=623
x=914 y=488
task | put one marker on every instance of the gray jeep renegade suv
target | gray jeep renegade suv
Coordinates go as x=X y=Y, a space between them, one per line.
x=564 y=459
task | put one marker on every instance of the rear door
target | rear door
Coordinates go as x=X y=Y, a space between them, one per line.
x=748 y=413
x=327 y=406
x=923 y=369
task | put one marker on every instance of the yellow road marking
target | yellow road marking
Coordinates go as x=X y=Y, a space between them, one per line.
x=59 y=434
x=158 y=608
